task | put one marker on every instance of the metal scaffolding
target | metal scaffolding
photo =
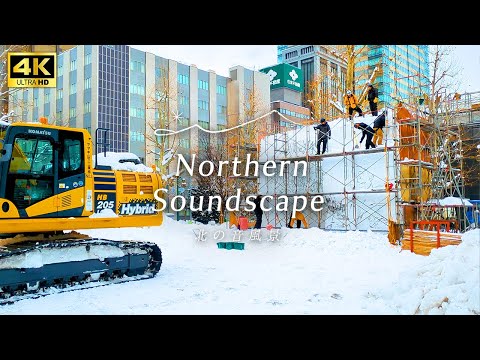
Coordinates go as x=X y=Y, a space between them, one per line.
x=356 y=192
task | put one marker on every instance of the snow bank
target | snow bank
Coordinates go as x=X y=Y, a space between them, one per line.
x=122 y=161
x=306 y=271
x=448 y=283
x=452 y=201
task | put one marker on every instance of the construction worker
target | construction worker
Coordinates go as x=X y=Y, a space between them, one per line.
x=372 y=96
x=351 y=102
x=258 y=212
x=378 y=125
x=366 y=131
x=323 y=134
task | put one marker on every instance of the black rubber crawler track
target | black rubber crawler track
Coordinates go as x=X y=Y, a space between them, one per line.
x=141 y=260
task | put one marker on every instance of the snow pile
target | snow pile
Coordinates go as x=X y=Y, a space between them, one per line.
x=121 y=161
x=452 y=201
x=448 y=283
x=39 y=258
x=305 y=271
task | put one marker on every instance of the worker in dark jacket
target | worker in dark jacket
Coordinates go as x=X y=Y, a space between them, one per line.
x=368 y=132
x=378 y=125
x=258 y=212
x=372 y=96
x=323 y=134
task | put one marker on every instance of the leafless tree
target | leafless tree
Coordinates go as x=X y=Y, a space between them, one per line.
x=162 y=99
x=444 y=77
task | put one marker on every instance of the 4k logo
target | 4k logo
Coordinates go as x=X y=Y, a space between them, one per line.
x=30 y=69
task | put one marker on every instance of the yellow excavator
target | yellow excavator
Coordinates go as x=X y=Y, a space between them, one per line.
x=50 y=185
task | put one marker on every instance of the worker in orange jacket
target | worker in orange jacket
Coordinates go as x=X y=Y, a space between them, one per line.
x=351 y=103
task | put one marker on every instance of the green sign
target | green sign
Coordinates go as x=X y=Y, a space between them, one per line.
x=285 y=75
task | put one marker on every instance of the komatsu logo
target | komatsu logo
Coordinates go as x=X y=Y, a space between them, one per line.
x=39 y=132
x=137 y=209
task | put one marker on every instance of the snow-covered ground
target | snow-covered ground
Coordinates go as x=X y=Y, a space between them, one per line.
x=307 y=271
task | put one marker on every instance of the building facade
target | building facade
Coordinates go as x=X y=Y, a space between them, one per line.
x=131 y=93
x=319 y=64
x=403 y=71
x=286 y=89
x=120 y=88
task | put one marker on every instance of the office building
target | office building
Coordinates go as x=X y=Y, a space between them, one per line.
x=286 y=88
x=403 y=70
x=131 y=93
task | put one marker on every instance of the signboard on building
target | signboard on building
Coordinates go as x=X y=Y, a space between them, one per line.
x=284 y=75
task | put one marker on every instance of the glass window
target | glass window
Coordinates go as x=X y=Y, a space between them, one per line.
x=60 y=71
x=73 y=65
x=88 y=59
x=59 y=94
x=88 y=83
x=71 y=160
x=35 y=156
x=73 y=88
x=47 y=97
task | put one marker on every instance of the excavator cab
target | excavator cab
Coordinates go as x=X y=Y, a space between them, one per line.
x=48 y=185
x=37 y=164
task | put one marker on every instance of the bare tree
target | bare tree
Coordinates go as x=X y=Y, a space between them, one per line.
x=214 y=185
x=162 y=99
x=444 y=77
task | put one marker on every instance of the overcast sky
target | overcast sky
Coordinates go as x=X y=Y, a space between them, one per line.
x=221 y=57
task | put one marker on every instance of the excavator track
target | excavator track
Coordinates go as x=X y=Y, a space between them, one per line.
x=32 y=269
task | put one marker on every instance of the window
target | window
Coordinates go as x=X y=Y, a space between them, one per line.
x=184 y=143
x=306 y=50
x=221 y=109
x=137 y=66
x=220 y=127
x=204 y=124
x=137 y=112
x=73 y=65
x=291 y=54
x=203 y=84
x=140 y=90
x=88 y=59
x=71 y=160
x=73 y=88
x=59 y=94
x=33 y=181
x=183 y=100
x=58 y=116
x=73 y=112
x=158 y=73
x=137 y=136
x=60 y=70
x=183 y=122
x=183 y=79
x=87 y=107
x=88 y=83
x=222 y=90
x=203 y=105
x=35 y=102
x=47 y=97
